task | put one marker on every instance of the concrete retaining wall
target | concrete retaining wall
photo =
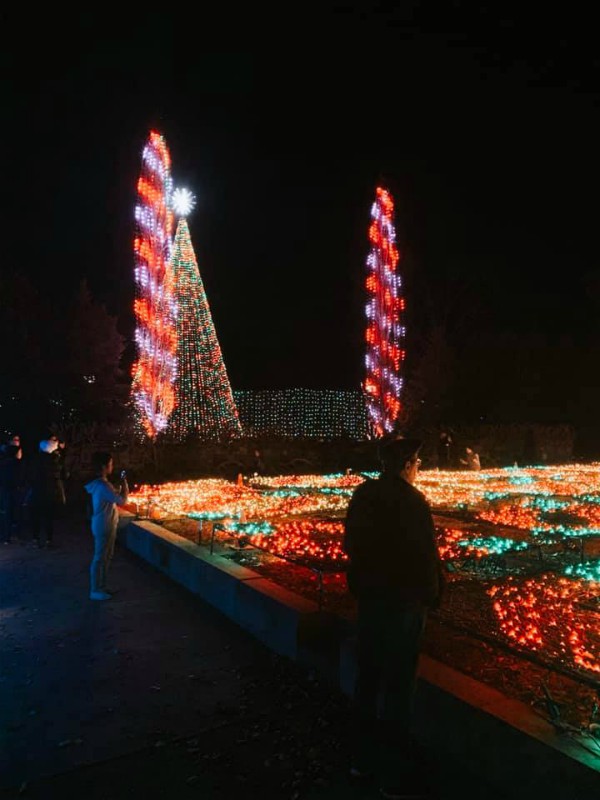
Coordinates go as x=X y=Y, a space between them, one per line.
x=273 y=614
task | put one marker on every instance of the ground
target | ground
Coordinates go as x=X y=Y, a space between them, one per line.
x=156 y=695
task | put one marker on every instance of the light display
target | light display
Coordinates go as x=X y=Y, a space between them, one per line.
x=552 y=614
x=384 y=332
x=277 y=496
x=588 y=570
x=303 y=413
x=183 y=202
x=455 y=545
x=544 y=613
x=205 y=408
x=155 y=310
x=310 y=542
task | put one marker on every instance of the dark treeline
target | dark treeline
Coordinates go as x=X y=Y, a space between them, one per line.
x=65 y=364
x=61 y=362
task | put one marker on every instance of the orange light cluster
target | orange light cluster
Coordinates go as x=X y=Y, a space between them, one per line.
x=158 y=328
x=311 y=542
x=449 y=548
x=500 y=495
x=545 y=613
x=220 y=498
x=210 y=496
x=311 y=482
x=514 y=516
x=148 y=192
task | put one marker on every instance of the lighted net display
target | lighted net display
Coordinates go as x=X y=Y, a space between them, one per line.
x=310 y=413
x=384 y=331
x=205 y=408
x=155 y=310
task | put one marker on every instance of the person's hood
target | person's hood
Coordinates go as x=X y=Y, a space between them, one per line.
x=92 y=486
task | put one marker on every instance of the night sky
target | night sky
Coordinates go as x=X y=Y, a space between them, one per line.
x=485 y=129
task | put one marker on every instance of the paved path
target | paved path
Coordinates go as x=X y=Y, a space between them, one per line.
x=154 y=694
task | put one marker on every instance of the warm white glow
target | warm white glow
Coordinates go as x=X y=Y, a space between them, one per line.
x=183 y=202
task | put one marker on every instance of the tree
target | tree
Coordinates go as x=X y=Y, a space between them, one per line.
x=429 y=378
x=205 y=407
x=94 y=386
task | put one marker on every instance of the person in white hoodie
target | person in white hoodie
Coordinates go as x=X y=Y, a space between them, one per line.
x=105 y=517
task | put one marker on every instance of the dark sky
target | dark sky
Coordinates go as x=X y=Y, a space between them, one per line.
x=485 y=128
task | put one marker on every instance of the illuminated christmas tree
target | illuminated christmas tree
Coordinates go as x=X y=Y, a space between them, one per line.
x=384 y=332
x=155 y=310
x=205 y=406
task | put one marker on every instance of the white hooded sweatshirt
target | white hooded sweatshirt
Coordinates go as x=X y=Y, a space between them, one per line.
x=104 y=505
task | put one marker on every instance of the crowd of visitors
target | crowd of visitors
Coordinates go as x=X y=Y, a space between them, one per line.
x=32 y=491
x=33 y=495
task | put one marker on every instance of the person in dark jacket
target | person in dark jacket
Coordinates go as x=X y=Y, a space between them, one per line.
x=59 y=455
x=11 y=493
x=395 y=574
x=47 y=493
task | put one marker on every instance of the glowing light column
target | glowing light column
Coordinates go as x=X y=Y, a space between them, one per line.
x=205 y=407
x=384 y=332
x=154 y=307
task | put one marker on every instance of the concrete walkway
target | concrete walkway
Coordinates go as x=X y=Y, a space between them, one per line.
x=154 y=694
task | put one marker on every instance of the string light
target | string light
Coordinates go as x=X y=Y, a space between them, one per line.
x=154 y=370
x=266 y=496
x=587 y=570
x=314 y=543
x=303 y=413
x=544 y=613
x=205 y=407
x=456 y=544
x=300 y=518
x=384 y=331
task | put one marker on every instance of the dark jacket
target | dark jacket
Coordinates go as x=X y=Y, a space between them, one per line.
x=12 y=474
x=45 y=480
x=390 y=540
x=11 y=484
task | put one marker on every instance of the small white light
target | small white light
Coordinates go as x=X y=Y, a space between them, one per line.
x=183 y=202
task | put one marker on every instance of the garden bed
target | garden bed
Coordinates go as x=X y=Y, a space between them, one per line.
x=450 y=636
x=522 y=550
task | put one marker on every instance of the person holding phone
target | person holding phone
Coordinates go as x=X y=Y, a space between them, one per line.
x=104 y=521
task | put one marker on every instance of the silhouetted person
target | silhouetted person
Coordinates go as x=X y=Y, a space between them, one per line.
x=13 y=439
x=11 y=493
x=60 y=456
x=47 y=492
x=471 y=459
x=396 y=576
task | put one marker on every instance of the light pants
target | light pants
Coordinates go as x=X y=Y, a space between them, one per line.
x=104 y=547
